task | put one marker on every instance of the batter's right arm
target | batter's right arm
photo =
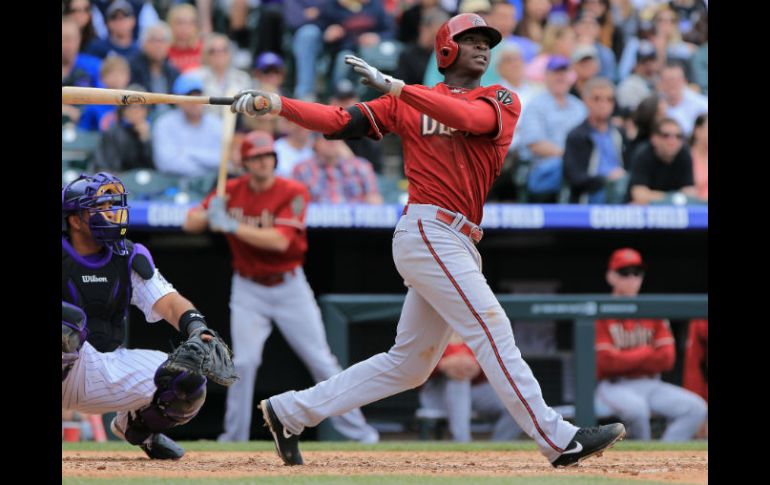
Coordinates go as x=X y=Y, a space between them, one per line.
x=333 y=121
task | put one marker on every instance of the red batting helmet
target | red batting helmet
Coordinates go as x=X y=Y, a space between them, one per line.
x=257 y=143
x=446 y=47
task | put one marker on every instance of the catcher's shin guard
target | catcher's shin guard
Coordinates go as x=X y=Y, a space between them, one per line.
x=179 y=397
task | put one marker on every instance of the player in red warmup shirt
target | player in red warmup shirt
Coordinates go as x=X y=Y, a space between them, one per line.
x=263 y=219
x=631 y=354
x=454 y=136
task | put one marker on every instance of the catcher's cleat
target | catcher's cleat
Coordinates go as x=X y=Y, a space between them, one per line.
x=158 y=446
x=589 y=442
x=286 y=444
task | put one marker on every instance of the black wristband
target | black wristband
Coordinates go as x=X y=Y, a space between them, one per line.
x=190 y=320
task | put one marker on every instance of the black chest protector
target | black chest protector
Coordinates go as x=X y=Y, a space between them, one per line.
x=103 y=292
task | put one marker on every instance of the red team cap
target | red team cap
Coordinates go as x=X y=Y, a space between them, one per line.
x=257 y=143
x=446 y=47
x=625 y=257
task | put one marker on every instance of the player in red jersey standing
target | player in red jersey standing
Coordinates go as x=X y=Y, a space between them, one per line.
x=263 y=218
x=454 y=137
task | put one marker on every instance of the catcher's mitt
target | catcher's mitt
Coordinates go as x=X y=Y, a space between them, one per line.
x=207 y=357
x=73 y=332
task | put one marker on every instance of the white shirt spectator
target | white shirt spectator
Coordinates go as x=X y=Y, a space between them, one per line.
x=288 y=156
x=181 y=148
x=690 y=107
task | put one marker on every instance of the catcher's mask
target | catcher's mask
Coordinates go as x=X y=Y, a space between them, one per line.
x=105 y=198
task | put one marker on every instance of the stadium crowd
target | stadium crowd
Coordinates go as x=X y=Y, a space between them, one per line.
x=614 y=92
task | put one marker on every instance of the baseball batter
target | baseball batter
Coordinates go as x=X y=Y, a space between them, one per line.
x=454 y=136
x=631 y=354
x=102 y=273
x=263 y=219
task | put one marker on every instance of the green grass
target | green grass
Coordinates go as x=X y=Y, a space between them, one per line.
x=365 y=480
x=627 y=445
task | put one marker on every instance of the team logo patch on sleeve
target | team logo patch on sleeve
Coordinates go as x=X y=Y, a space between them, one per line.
x=504 y=96
x=297 y=205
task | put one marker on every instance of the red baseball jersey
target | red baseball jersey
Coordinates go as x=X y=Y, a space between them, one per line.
x=447 y=167
x=283 y=207
x=633 y=348
x=696 y=359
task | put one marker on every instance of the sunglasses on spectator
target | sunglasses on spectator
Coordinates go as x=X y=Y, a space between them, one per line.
x=609 y=99
x=76 y=10
x=630 y=271
x=218 y=50
x=666 y=134
x=665 y=19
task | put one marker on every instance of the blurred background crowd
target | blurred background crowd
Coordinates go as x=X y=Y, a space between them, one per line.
x=614 y=93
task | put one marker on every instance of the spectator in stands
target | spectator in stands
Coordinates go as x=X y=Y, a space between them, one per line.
x=115 y=74
x=295 y=147
x=630 y=356
x=151 y=68
x=593 y=154
x=269 y=30
x=349 y=25
x=408 y=31
x=666 y=38
x=696 y=365
x=641 y=84
x=585 y=63
x=642 y=121
x=144 y=10
x=626 y=20
x=588 y=32
x=662 y=170
x=504 y=14
x=120 y=24
x=532 y=24
x=700 y=68
x=416 y=55
x=544 y=127
x=690 y=14
x=186 y=48
x=187 y=140
x=127 y=144
x=80 y=12
x=303 y=19
x=334 y=175
x=510 y=67
x=219 y=76
x=458 y=387
x=269 y=72
x=609 y=36
x=558 y=40
x=345 y=96
x=76 y=69
x=699 y=149
x=684 y=104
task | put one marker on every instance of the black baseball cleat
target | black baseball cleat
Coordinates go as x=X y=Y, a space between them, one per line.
x=158 y=446
x=589 y=442
x=286 y=444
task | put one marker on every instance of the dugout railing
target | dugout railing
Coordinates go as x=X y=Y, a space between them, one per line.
x=340 y=312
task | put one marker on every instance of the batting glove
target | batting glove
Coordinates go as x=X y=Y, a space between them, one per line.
x=245 y=103
x=374 y=78
x=219 y=221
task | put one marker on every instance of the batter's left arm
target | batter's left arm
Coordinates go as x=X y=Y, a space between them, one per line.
x=478 y=116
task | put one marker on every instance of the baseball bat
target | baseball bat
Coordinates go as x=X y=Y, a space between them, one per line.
x=228 y=127
x=77 y=95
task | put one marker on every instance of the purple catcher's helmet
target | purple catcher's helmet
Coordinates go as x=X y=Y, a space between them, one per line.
x=105 y=198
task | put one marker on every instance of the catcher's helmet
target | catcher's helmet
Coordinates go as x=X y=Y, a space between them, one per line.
x=105 y=198
x=446 y=47
x=257 y=143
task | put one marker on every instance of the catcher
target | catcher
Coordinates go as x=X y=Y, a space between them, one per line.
x=102 y=272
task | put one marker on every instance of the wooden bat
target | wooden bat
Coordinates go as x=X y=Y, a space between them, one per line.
x=228 y=127
x=76 y=95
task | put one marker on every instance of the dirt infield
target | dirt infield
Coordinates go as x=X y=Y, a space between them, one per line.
x=664 y=466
